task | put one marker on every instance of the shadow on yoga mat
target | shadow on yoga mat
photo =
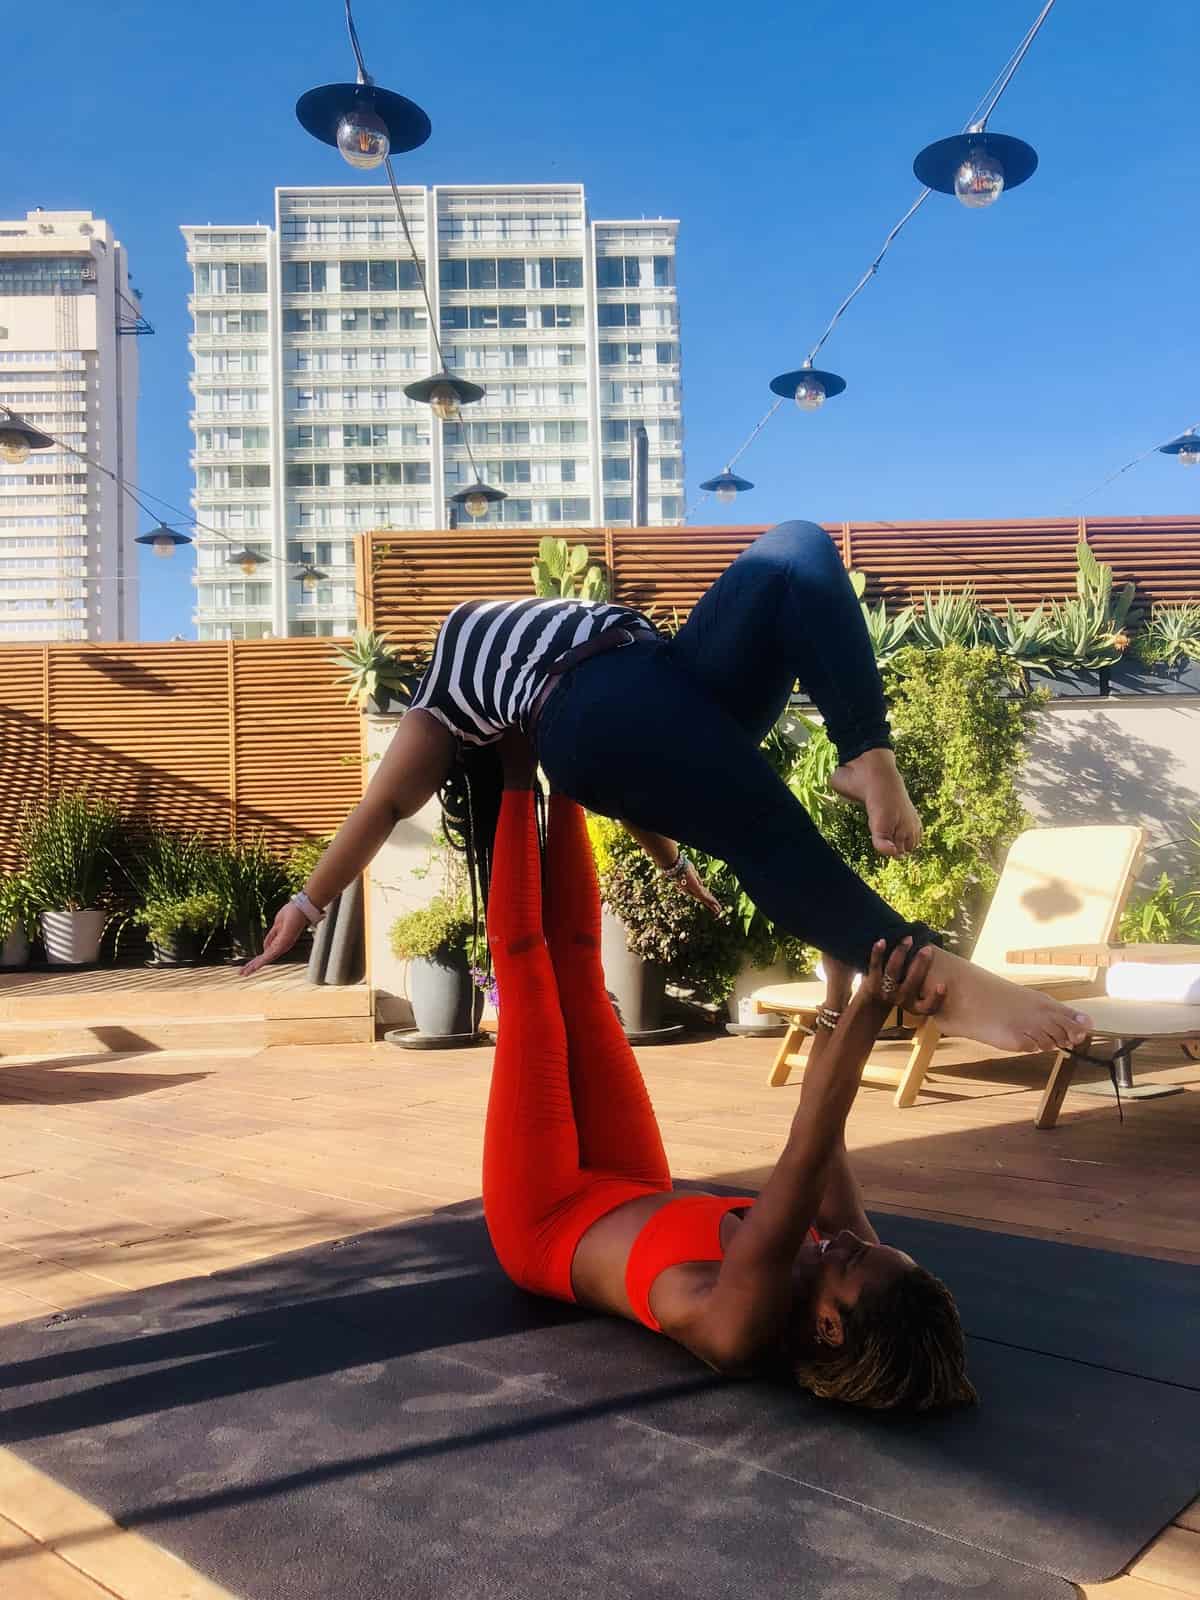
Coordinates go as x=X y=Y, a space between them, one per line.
x=389 y=1415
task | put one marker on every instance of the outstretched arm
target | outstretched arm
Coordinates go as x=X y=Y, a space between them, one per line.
x=414 y=766
x=753 y=1289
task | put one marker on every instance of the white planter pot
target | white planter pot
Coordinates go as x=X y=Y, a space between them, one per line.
x=72 y=938
x=741 y=1007
x=14 y=951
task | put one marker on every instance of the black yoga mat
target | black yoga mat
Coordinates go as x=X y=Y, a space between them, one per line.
x=388 y=1415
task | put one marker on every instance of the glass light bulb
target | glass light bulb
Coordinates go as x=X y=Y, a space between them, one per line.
x=362 y=138
x=163 y=546
x=1189 y=454
x=443 y=402
x=309 y=581
x=14 y=447
x=476 y=505
x=979 y=181
x=726 y=494
x=249 y=567
x=810 y=393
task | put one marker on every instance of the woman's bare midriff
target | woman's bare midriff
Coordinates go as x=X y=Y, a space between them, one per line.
x=602 y=1255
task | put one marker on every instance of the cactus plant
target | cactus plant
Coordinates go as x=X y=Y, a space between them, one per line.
x=563 y=571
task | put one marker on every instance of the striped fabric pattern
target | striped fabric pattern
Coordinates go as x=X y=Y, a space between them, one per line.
x=492 y=657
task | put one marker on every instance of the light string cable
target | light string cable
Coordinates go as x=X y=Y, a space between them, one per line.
x=1137 y=461
x=977 y=119
x=140 y=495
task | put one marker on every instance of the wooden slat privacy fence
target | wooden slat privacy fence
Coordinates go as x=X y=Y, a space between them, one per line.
x=408 y=582
x=225 y=739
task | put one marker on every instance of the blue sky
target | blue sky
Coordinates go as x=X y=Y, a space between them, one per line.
x=1001 y=364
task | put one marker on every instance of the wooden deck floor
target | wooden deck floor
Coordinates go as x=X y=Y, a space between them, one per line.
x=122 y=1171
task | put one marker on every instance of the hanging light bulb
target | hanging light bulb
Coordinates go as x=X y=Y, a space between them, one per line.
x=13 y=446
x=477 y=497
x=311 y=578
x=18 y=438
x=362 y=138
x=246 y=559
x=979 y=180
x=809 y=387
x=977 y=166
x=726 y=486
x=163 y=541
x=1185 y=449
x=444 y=394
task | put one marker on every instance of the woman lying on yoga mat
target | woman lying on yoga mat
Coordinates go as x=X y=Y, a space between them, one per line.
x=578 y=1198
x=665 y=735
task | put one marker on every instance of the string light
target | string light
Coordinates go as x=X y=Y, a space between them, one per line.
x=246 y=559
x=1185 y=449
x=726 y=486
x=477 y=497
x=364 y=123
x=18 y=438
x=311 y=578
x=163 y=541
x=984 y=164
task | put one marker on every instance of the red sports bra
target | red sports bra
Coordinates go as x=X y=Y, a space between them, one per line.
x=686 y=1229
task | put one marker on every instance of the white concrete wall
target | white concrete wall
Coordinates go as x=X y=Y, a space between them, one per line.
x=1127 y=758
x=392 y=888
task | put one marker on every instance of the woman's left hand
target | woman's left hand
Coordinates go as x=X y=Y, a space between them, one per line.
x=692 y=883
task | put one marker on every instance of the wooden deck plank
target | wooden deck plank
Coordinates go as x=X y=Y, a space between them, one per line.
x=1173 y=1561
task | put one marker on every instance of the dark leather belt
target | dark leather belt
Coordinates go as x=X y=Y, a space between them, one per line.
x=611 y=639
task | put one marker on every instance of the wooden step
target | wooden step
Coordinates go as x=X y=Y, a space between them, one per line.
x=104 y=995
x=123 y=1035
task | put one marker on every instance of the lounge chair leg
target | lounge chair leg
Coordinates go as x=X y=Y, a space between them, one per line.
x=913 y=1075
x=781 y=1067
x=1056 y=1088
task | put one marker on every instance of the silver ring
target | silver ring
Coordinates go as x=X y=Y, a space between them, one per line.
x=888 y=986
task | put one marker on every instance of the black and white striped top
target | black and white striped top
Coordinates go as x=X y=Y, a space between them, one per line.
x=492 y=657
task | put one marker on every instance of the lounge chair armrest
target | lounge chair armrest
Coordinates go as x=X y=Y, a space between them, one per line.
x=1103 y=955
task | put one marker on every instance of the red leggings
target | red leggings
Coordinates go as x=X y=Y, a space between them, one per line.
x=571 y=1133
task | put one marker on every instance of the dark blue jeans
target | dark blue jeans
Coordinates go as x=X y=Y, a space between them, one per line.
x=666 y=734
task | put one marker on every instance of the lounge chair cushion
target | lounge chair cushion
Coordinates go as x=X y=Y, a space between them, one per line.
x=1143 y=980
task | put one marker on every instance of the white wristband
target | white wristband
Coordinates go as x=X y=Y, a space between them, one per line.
x=313 y=913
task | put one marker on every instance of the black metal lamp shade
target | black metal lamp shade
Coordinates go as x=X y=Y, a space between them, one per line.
x=162 y=534
x=478 y=491
x=423 y=389
x=1187 y=444
x=787 y=383
x=937 y=163
x=726 y=481
x=321 y=110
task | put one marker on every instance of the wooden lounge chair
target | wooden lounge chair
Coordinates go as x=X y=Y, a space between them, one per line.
x=1059 y=886
x=1153 y=997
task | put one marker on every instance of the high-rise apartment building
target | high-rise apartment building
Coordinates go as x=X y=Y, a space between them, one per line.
x=307 y=333
x=67 y=559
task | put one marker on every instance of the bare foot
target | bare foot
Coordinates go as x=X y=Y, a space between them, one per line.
x=982 y=1006
x=874 y=781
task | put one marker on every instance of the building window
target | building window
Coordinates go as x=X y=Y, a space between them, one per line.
x=619 y=315
x=304 y=277
x=382 y=276
x=618 y=508
x=307 y=437
x=615 y=469
x=614 y=432
x=618 y=272
x=664 y=271
x=513 y=317
x=560 y=272
x=231 y=277
x=453 y=316
x=671 y=505
x=304 y=322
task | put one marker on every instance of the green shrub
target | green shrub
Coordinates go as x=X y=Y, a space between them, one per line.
x=1163 y=915
x=18 y=908
x=164 y=920
x=441 y=928
x=251 y=885
x=302 y=860
x=67 y=843
x=960 y=742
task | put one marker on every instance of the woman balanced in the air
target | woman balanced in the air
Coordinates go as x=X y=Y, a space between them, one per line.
x=665 y=735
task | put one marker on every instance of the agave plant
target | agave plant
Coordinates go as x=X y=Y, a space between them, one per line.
x=951 y=617
x=1172 y=636
x=1089 y=629
x=563 y=570
x=887 y=631
x=370 y=665
x=1023 y=643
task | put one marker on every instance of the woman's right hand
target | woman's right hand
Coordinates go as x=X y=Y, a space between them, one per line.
x=289 y=924
x=886 y=985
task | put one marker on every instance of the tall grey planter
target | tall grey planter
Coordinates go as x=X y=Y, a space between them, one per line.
x=442 y=995
x=637 y=988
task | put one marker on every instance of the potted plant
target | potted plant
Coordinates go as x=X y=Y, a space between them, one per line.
x=250 y=884
x=436 y=940
x=645 y=928
x=68 y=844
x=374 y=675
x=18 y=920
x=1165 y=656
x=172 y=879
